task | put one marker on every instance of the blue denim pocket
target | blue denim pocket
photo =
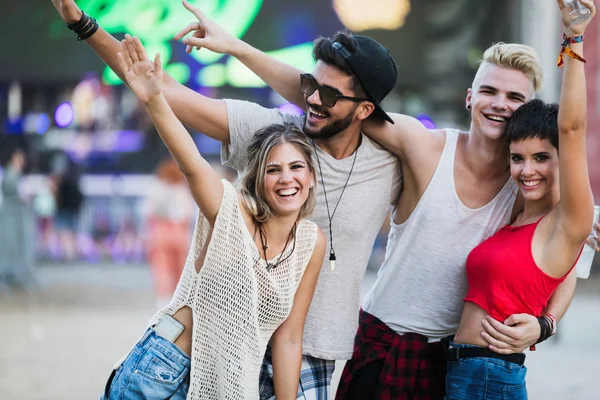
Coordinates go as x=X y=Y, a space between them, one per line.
x=516 y=392
x=485 y=378
x=155 y=369
x=465 y=380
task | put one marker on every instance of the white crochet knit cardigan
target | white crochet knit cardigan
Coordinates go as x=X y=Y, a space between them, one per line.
x=237 y=304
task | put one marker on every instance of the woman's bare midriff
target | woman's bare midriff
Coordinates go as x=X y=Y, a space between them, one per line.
x=185 y=316
x=471 y=325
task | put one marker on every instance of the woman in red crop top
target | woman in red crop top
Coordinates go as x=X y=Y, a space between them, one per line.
x=517 y=270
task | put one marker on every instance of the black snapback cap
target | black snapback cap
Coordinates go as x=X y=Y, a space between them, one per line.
x=374 y=68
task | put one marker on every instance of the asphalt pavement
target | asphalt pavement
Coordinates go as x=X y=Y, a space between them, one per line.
x=61 y=336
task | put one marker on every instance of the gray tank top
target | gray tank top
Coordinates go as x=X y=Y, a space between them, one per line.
x=421 y=284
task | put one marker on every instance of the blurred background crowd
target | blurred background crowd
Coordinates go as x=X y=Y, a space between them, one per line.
x=84 y=176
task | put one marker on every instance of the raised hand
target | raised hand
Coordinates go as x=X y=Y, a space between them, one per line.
x=68 y=10
x=571 y=28
x=143 y=77
x=206 y=33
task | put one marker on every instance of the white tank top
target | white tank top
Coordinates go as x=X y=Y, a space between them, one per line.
x=421 y=284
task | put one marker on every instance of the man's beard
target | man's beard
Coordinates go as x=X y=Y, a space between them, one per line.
x=330 y=130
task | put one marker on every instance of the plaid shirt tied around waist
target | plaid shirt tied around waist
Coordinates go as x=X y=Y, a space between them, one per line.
x=412 y=369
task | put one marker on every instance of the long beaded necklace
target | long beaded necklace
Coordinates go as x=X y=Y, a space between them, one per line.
x=264 y=243
x=330 y=216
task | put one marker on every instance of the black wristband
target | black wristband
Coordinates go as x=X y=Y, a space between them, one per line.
x=545 y=329
x=79 y=24
x=85 y=27
x=90 y=32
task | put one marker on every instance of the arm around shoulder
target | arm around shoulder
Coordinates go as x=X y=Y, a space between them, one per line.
x=401 y=137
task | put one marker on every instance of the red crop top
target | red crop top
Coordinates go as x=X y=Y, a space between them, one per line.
x=504 y=278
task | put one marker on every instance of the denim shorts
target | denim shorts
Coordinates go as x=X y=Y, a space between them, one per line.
x=154 y=369
x=484 y=378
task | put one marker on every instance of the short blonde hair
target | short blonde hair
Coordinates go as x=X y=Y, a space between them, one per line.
x=519 y=57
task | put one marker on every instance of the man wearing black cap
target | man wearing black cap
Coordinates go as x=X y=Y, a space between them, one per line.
x=357 y=179
x=357 y=182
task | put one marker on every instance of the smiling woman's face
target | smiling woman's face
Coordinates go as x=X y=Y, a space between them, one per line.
x=534 y=167
x=287 y=180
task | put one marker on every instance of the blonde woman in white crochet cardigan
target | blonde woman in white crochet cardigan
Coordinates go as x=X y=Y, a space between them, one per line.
x=250 y=273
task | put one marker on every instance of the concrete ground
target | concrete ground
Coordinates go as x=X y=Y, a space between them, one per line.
x=61 y=337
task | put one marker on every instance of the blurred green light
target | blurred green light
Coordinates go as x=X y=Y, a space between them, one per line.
x=212 y=76
x=110 y=78
x=179 y=71
x=155 y=22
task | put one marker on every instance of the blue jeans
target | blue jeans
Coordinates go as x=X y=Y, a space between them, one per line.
x=484 y=378
x=154 y=369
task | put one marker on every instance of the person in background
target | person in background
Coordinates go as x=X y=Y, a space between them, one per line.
x=69 y=199
x=44 y=207
x=13 y=172
x=17 y=227
x=168 y=209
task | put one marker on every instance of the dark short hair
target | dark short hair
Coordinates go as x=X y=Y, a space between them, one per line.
x=534 y=119
x=323 y=51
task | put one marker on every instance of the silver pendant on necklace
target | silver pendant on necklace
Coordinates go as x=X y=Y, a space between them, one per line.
x=332 y=259
x=269 y=267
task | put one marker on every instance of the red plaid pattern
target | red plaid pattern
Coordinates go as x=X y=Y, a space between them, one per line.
x=413 y=369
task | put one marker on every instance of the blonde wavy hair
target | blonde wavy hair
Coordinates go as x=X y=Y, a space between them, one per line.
x=519 y=57
x=252 y=179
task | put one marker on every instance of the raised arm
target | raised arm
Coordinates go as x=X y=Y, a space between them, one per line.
x=286 y=343
x=201 y=113
x=282 y=77
x=145 y=80
x=576 y=207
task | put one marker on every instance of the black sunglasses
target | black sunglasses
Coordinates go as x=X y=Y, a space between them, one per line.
x=328 y=95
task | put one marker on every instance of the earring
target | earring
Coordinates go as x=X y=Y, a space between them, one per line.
x=310 y=185
x=468 y=107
